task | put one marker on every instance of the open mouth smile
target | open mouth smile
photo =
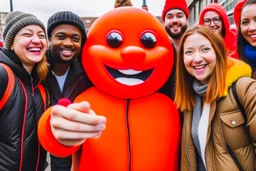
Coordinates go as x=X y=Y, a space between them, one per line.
x=129 y=77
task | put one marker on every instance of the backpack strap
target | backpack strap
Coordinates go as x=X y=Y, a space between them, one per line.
x=9 y=87
x=237 y=100
x=241 y=108
x=43 y=94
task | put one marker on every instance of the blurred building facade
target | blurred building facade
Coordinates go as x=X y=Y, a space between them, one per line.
x=2 y=23
x=196 y=6
x=88 y=21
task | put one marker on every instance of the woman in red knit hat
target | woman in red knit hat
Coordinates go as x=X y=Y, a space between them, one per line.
x=246 y=39
x=215 y=18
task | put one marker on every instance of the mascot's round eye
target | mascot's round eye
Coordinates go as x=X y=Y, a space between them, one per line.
x=148 y=40
x=114 y=40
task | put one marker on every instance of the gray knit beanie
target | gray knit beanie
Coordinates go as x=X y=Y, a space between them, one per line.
x=66 y=17
x=14 y=22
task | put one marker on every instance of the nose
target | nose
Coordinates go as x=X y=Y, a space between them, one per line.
x=252 y=26
x=211 y=23
x=197 y=57
x=133 y=54
x=35 y=39
x=174 y=19
x=68 y=42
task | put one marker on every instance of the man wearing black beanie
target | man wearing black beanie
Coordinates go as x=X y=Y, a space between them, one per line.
x=66 y=79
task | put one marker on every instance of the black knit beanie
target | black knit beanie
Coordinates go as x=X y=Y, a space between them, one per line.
x=66 y=17
x=14 y=22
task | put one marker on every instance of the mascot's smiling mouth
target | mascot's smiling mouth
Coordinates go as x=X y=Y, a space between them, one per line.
x=129 y=77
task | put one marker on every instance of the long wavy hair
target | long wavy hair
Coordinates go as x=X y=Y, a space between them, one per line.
x=42 y=68
x=240 y=38
x=184 y=93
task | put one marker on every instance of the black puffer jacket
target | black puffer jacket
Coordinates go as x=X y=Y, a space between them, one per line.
x=19 y=147
x=76 y=82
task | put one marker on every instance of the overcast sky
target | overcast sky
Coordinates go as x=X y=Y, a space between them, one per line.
x=43 y=9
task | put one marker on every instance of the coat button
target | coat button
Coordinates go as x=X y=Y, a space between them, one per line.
x=233 y=122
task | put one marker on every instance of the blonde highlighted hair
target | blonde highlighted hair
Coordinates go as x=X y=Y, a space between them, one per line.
x=184 y=93
x=42 y=68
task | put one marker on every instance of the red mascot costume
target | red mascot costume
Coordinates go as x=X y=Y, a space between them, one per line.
x=128 y=57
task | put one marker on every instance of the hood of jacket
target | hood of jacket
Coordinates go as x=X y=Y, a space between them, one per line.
x=9 y=58
x=235 y=70
x=230 y=37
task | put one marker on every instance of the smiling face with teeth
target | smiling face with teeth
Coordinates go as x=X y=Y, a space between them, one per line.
x=215 y=24
x=30 y=45
x=129 y=77
x=124 y=62
x=248 y=24
x=199 y=57
x=65 y=43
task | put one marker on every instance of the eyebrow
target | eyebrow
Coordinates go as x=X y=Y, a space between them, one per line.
x=26 y=29
x=75 y=34
x=205 y=45
x=189 y=47
x=178 y=13
x=31 y=30
x=247 y=18
x=213 y=17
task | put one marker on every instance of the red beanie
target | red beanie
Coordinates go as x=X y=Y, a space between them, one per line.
x=175 y=4
x=237 y=11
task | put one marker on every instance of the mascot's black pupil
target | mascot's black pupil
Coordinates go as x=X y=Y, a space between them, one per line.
x=148 y=40
x=114 y=40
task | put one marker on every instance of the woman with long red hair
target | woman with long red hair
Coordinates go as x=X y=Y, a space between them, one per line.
x=216 y=134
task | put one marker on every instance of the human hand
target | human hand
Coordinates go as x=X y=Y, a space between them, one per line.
x=73 y=124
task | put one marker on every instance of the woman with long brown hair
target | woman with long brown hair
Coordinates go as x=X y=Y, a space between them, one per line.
x=216 y=134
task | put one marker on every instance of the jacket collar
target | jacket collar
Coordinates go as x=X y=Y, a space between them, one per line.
x=236 y=70
x=74 y=70
x=9 y=58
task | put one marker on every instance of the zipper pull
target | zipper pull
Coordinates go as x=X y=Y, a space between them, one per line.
x=32 y=85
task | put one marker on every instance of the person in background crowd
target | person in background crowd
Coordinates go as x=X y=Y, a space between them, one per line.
x=175 y=17
x=122 y=3
x=66 y=78
x=215 y=18
x=237 y=12
x=144 y=5
x=1 y=43
x=246 y=38
x=23 y=99
x=216 y=135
